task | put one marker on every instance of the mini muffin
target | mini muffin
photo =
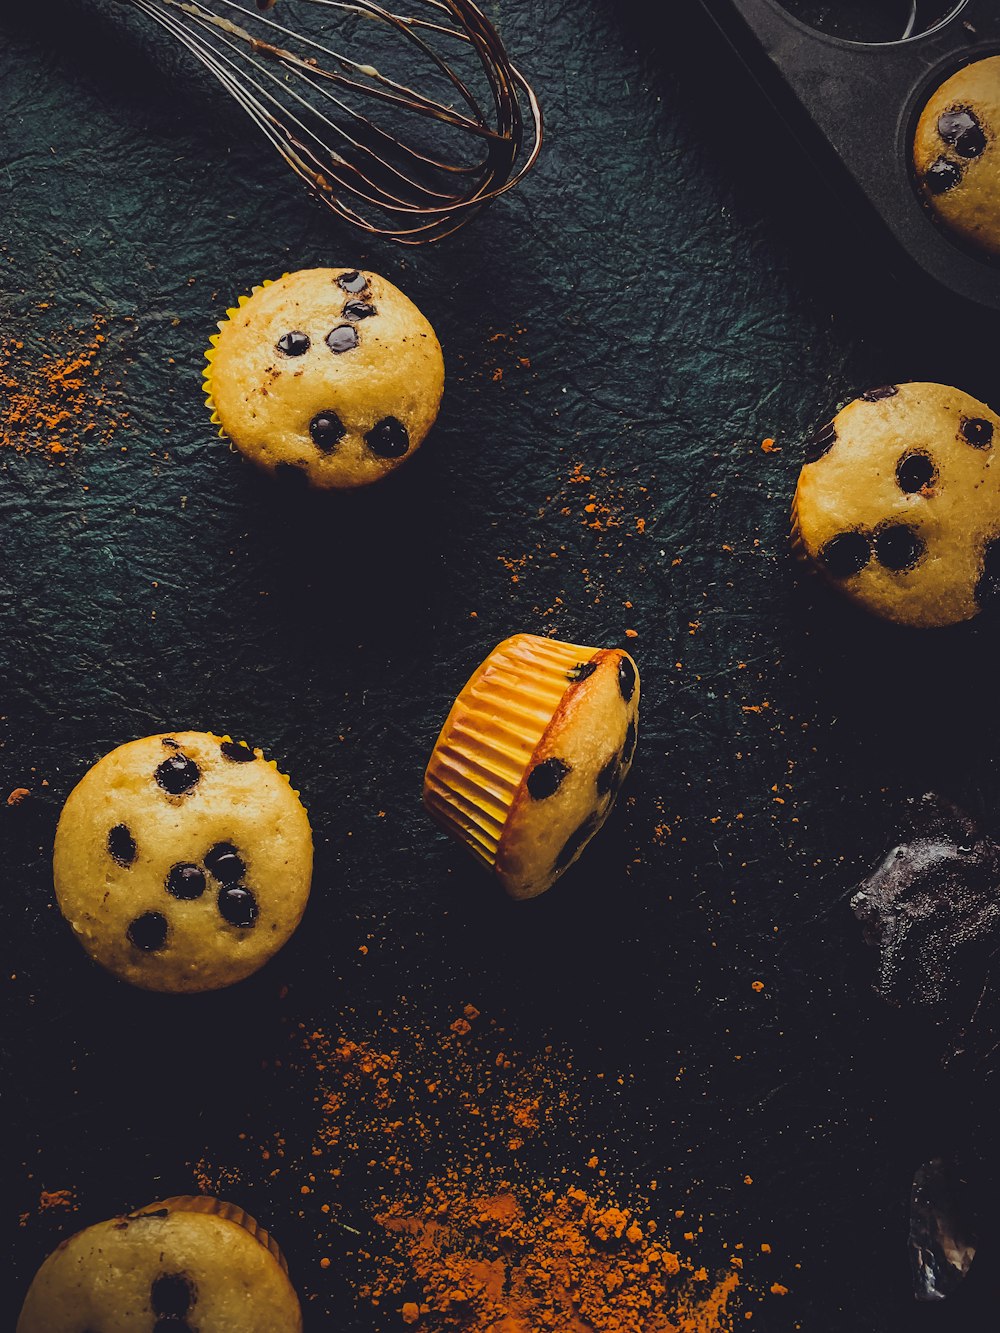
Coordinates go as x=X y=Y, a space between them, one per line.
x=329 y=370
x=532 y=756
x=183 y=861
x=899 y=506
x=957 y=157
x=187 y=1265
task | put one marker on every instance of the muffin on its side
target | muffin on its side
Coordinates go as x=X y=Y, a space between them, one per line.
x=899 y=506
x=183 y=861
x=190 y=1264
x=956 y=155
x=532 y=756
x=332 y=371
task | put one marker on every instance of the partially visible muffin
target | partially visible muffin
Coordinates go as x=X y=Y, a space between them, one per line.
x=899 y=506
x=183 y=861
x=956 y=154
x=190 y=1264
x=532 y=756
x=331 y=371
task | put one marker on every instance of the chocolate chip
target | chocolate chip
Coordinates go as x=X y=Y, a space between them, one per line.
x=186 y=881
x=224 y=863
x=883 y=391
x=327 y=430
x=355 y=310
x=121 y=845
x=236 y=753
x=977 y=432
x=914 y=472
x=631 y=739
x=606 y=777
x=344 y=338
x=178 y=774
x=294 y=343
x=626 y=678
x=845 y=554
x=148 y=932
x=988 y=584
x=388 y=439
x=546 y=778
x=942 y=176
x=898 y=547
x=237 y=905
x=169 y=742
x=581 y=671
x=576 y=840
x=821 y=443
x=963 y=131
x=353 y=281
x=172 y=1294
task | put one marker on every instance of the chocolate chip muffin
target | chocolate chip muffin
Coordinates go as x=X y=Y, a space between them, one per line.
x=956 y=155
x=899 y=506
x=183 y=861
x=532 y=756
x=186 y=1265
x=332 y=371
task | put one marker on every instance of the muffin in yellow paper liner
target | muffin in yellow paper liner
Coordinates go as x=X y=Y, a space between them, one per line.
x=532 y=756
x=185 y=1263
x=183 y=861
x=334 y=372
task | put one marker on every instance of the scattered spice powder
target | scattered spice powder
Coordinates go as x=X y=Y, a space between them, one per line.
x=55 y=398
x=459 y=1182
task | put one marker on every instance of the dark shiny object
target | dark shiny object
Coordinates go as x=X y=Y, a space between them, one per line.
x=238 y=905
x=327 y=430
x=224 y=863
x=582 y=671
x=626 y=678
x=178 y=774
x=898 y=547
x=607 y=775
x=355 y=310
x=932 y=909
x=344 y=338
x=631 y=739
x=821 y=443
x=978 y=432
x=845 y=554
x=942 y=176
x=883 y=391
x=546 y=778
x=148 y=932
x=355 y=281
x=236 y=753
x=186 y=881
x=576 y=841
x=914 y=472
x=295 y=343
x=388 y=439
x=121 y=845
x=963 y=131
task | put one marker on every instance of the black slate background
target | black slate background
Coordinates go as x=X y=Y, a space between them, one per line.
x=683 y=287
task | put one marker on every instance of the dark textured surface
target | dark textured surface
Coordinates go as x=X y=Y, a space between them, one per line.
x=680 y=288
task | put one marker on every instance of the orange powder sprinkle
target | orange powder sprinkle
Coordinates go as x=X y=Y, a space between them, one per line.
x=53 y=399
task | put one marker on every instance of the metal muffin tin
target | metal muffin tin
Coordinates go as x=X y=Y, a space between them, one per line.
x=862 y=101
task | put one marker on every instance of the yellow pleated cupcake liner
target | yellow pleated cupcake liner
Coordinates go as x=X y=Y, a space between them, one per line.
x=213 y=348
x=204 y=1203
x=494 y=728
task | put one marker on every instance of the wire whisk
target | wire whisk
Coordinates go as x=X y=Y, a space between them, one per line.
x=435 y=156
